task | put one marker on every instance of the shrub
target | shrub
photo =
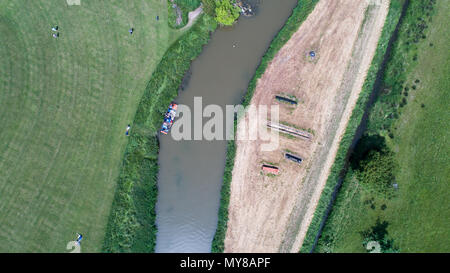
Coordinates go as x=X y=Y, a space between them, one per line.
x=379 y=234
x=226 y=13
x=377 y=171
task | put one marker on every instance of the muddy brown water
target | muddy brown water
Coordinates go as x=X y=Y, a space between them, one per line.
x=190 y=175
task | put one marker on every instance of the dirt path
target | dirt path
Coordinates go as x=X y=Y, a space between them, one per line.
x=193 y=16
x=269 y=214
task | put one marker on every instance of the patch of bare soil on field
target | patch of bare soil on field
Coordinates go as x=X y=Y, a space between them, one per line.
x=272 y=214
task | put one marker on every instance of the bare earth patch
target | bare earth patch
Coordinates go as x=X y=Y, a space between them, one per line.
x=272 y=214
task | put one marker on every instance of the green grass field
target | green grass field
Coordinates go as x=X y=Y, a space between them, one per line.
x=64 y=107
x=419 y=213
x=420 y=217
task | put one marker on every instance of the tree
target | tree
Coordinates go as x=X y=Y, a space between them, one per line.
x=379 y=234
x=226 y=13
x=377 y=171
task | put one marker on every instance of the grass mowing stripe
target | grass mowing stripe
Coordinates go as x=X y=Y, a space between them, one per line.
x=64 y=105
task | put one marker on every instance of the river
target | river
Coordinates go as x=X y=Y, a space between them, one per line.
x=190 y=175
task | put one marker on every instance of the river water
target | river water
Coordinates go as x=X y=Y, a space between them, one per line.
x=190 y=175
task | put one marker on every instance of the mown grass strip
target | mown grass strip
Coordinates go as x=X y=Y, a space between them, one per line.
x=131 y=226
x=396 y=10
x=298 y=16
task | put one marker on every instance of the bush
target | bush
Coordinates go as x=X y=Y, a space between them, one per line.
x=226 y=13
x=377 y=171
x=378 y=233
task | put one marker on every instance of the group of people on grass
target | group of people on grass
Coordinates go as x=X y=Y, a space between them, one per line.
x=55 y=29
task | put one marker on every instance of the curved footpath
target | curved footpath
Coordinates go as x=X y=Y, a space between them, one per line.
x=192 y=16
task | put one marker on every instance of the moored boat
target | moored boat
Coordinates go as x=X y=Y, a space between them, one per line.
x=169 y=118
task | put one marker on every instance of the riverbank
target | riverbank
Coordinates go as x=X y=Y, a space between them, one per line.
x=191 y=172
x=270 y=214
x=299 y=14
x=131 y=226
